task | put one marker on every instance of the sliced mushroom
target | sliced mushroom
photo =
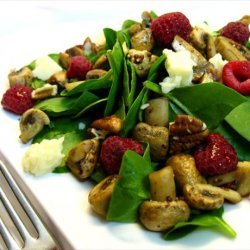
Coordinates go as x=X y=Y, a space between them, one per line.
x=245 y=19
x=70 y=85
x=95 y=74
x=230 y=50
x=157 y=113
x=162 y=215
x=102 y=63
x=31 y=123
x=23 y=76
x=238 y=179
x=59 y=78
x=74 y=51
x=109 y=123
x=47 y=90
x=99 y=197
x=203 y=196
x=64 y=60
x=143 y=40
x=185 y=170
x=82 y=159
x=156 y=136
x=134 y=28
x=162 y=184
x=89 y=47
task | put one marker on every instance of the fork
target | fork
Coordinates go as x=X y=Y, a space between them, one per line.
x=20 y=226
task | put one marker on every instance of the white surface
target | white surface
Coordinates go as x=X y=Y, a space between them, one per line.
x=29 y=30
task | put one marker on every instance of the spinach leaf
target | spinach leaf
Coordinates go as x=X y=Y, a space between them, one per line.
x=211 y=220
x=92 y=84
x=133 y=114
x=131 y=189
x=211 y=102
x=54 y=57
x=110 y=36
x=129 y=83
x=115 y=58
x=58 y=106
x=239 y=119
x=121 y=111
x=240 y=144
x=128 y=23
x=37 y=83
x=155 y=68
x=153 y=87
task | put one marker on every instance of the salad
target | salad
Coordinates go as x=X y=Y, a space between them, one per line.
x=156 y=117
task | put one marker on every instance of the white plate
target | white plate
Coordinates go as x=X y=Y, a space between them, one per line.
x=29 y=30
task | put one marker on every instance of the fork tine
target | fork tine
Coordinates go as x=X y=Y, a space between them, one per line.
x=18 y=200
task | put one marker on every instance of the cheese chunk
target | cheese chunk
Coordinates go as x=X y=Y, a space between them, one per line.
x=45 y=67
x=43 y=157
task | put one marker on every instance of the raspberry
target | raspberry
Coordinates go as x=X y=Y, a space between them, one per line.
x=216 y=157
x=78 y=67
x=165 y=27
x=113 y=149
x=17 y=99
x=236 y=75
x=237 y=31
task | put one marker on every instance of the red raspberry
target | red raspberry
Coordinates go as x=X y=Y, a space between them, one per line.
x=237 y=31
x=216 y=157
x=113 y=149
x=17 y=99
x=236 y=75
x=78 y=67
x=165 y=27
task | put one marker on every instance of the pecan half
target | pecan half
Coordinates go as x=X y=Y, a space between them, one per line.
x=185 y=133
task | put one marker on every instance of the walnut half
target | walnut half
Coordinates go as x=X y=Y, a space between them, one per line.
x=185 y=133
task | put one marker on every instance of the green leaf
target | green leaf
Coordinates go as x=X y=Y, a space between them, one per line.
x=128 y=23
x=152 y=86
x=211 y=102
x=37 y=83
x=212 y=220
x=131 y=189
x=58 y=106
x=239 y=119
x=133 y=114
x=61 y=170
x=92 y=84
x=115 y=58
x=120 y=112
x=110 y=36
x=155 y=68
x=54 y=57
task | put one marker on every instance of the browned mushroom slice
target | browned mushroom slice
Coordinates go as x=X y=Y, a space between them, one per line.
x=82 y=159
x=95 y=74
x=59 y=78
x=23 y=76
x=230 y=50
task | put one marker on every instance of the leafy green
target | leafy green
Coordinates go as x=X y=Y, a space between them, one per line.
x=131 y=189
x=92 y=84
x=110 y=37
x=153 y=87
x=155 y=68
x=133 y=114
x=58 y=106
x=115 y=58
x=37 y=83
x=128 y=23
x=239 y=119
x=211 y=102
x=211 y=220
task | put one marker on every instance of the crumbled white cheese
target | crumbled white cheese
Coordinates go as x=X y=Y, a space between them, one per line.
x=45 y=67
x=204 y=26
x=179 y=66
x=218 y=62
x=81 y=126
x=43 y=157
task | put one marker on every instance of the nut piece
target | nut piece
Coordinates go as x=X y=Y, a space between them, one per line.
x=95 y=74
x=162 y=215
x=100 y=195
x=111 y=124
x=46 y=91
x=142 y=61
x=82 y=159
x=238 y=179
x=185 y=170
x=155 y=136
x=143 y=40
x=185 y=133
x=203 y=196
x=162 y=185
x=156 y=114
x=31 y=123
x=23 y=76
